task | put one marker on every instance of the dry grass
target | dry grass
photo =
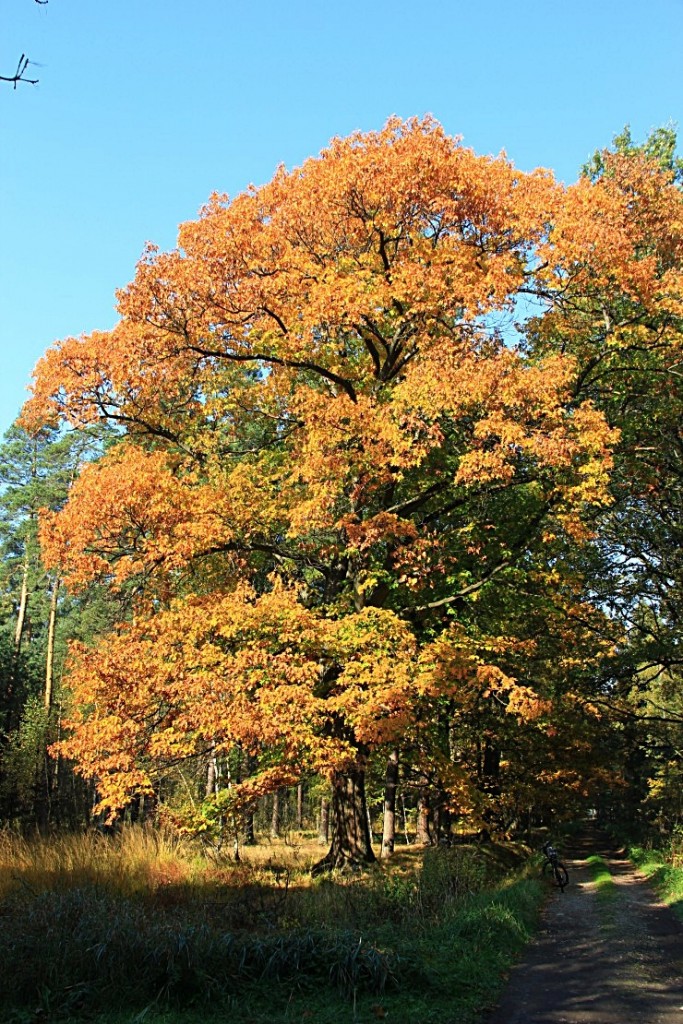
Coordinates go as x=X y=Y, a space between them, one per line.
x=139 y=860
x=143 y=920
x=131 y=861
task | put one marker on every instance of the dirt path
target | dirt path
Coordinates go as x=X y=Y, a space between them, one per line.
x=599 y=960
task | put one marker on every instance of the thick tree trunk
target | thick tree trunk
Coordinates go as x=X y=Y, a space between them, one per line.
x=491 y=769
x=351 y=846
x=50 y=657
x=389 y=821
x=442 y=819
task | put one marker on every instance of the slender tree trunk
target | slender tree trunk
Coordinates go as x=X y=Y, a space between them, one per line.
x=390 y=789
x=300 y=806
x=405 y=820
x=50 y=657
x=249 y=830
x=423 y=835
x=21 y=615
x=489 y=783
x=44 y=795
x=13 y=714
x=351 y=845
x=249 y=835
x=275 y=820
x=324 y=821
x=235 y=820
x=211 y=777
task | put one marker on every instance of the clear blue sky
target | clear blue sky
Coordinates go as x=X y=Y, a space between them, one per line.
x=145 y=107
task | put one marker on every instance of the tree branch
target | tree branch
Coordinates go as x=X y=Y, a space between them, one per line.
x=20 y=74
x=471 y=589
x=293 y=364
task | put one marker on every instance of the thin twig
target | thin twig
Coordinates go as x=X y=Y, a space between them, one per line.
x=19 y=74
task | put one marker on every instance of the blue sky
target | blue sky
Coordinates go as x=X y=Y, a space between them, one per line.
x=145 y=107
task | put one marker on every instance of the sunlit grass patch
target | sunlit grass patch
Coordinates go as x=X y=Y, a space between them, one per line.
x=602 y=877
x=134 y=860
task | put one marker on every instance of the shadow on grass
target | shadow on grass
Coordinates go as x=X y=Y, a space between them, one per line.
x=231 y=940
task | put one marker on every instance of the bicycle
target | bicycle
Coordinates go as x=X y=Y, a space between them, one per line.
x=553 y=866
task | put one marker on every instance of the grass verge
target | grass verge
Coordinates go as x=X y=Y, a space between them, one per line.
x=666 y=880
x=424 y=939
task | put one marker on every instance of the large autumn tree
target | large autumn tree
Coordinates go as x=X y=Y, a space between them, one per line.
x=347 y=488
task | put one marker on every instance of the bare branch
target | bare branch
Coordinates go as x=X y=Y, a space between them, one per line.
x=20 y=73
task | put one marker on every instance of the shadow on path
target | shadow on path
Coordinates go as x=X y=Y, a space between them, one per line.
x=616 y=958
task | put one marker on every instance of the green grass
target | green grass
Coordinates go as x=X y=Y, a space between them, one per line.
x=602 y=877
x=665 y=878
x=446 y=975
x=137 y=930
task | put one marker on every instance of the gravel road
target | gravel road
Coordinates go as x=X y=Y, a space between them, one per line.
x=611 y=960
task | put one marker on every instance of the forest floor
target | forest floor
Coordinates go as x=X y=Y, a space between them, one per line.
x=608 y=951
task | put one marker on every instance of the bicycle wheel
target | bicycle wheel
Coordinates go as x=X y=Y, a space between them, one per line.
x=561 y=876
x=548 y=869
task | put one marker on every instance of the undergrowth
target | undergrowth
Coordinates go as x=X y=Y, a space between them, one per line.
x=134 y=926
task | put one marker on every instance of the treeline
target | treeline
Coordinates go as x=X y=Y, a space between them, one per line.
x=38 y=620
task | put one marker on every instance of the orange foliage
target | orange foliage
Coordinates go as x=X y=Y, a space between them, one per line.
x=332 y=440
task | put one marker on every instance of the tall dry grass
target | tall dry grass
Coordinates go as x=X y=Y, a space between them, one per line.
x=138 y=860
x=127 y=862
x=141 y=919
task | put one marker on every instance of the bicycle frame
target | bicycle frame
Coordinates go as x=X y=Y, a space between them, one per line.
x=559 y=872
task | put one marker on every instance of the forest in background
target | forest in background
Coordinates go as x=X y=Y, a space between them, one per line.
x=330 y=552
